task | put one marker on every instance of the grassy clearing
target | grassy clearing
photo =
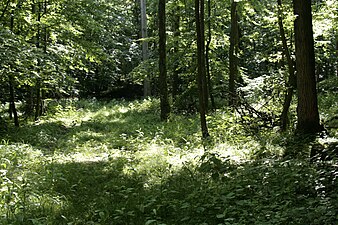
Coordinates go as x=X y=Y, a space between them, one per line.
x=89 y=162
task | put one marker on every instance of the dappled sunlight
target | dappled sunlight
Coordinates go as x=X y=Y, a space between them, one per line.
x=118 y=163
x=236 y=153
x=81 y=157
x=168 y=112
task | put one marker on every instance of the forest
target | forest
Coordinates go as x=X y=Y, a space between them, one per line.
x=163 y=112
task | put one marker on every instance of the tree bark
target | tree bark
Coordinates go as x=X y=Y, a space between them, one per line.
x=29 y=108
x=307 y=110
x=337 y=55
x=202 y=63
x=12 y=101
x=136 y=19
x=201 y=74
x=45 y=35
x=207 y=52
x=291 y=83
x=38 y=81
x=12 y=108
x=145 y=55
x=38 y=100
x=233 y=54
x=176 y=31
x=165 y=106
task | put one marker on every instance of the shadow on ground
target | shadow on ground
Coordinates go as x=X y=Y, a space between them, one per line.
x=98 y=192
x=255 y=193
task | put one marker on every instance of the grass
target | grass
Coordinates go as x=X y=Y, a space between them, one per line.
x=90 y=162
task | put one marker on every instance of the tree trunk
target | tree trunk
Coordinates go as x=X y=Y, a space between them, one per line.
x=38 y=81
x=176 y=31
x=10 y=112
x=337 y=55
x=291 y=83
x=45 y=35
x=145 y=55
x=202 y=63
x=201 y=75
x=165 y=106
x=12 y=101
x=12 y=109
x=307 y=110
x=207 y=51
x=38 y=100
x=233 y=54
x=29 y=108
x=136 y=19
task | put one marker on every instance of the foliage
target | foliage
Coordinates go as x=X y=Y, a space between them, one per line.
x=91 y=49
x=90 y=162
x=67 y=48
x=93 y=162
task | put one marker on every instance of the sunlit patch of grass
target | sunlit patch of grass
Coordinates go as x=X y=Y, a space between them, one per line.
x=117 y=163
x=232 y=139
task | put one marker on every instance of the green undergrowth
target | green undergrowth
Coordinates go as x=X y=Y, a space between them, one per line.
x=90 y=162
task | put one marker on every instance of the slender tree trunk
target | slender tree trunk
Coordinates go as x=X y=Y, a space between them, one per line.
x=29 y=108
x=41 y=42
x=144 y=29
x=38 y=81
x=207 y=52
x=307 y=110
x=136 y=19
x=45 y=46
x=233 y=54
x=12 y=109
x=12 y=21
x=145 y=54
x=203 y=58
x=205 y=90
x=201 y=75
x=176 y=31
x=38 y=100
x=45 y=30
x=337 y=55
x=291 y=83
x=165 y=106
x=12 y=101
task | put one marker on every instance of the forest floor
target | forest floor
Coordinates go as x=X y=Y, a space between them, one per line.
x=89 y=162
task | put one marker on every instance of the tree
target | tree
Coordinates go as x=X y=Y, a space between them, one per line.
x=233 y=54
x=291 y=83
x=56 y=43
x=12 y=107
x=307 y=111
x=207 y=58
x=145 y=56
x=165 y=106
x=337 y=54
x=176 y=34
x=38 y=100
x=201 y=70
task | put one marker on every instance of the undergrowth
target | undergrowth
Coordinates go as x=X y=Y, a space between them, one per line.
x=89 y=162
